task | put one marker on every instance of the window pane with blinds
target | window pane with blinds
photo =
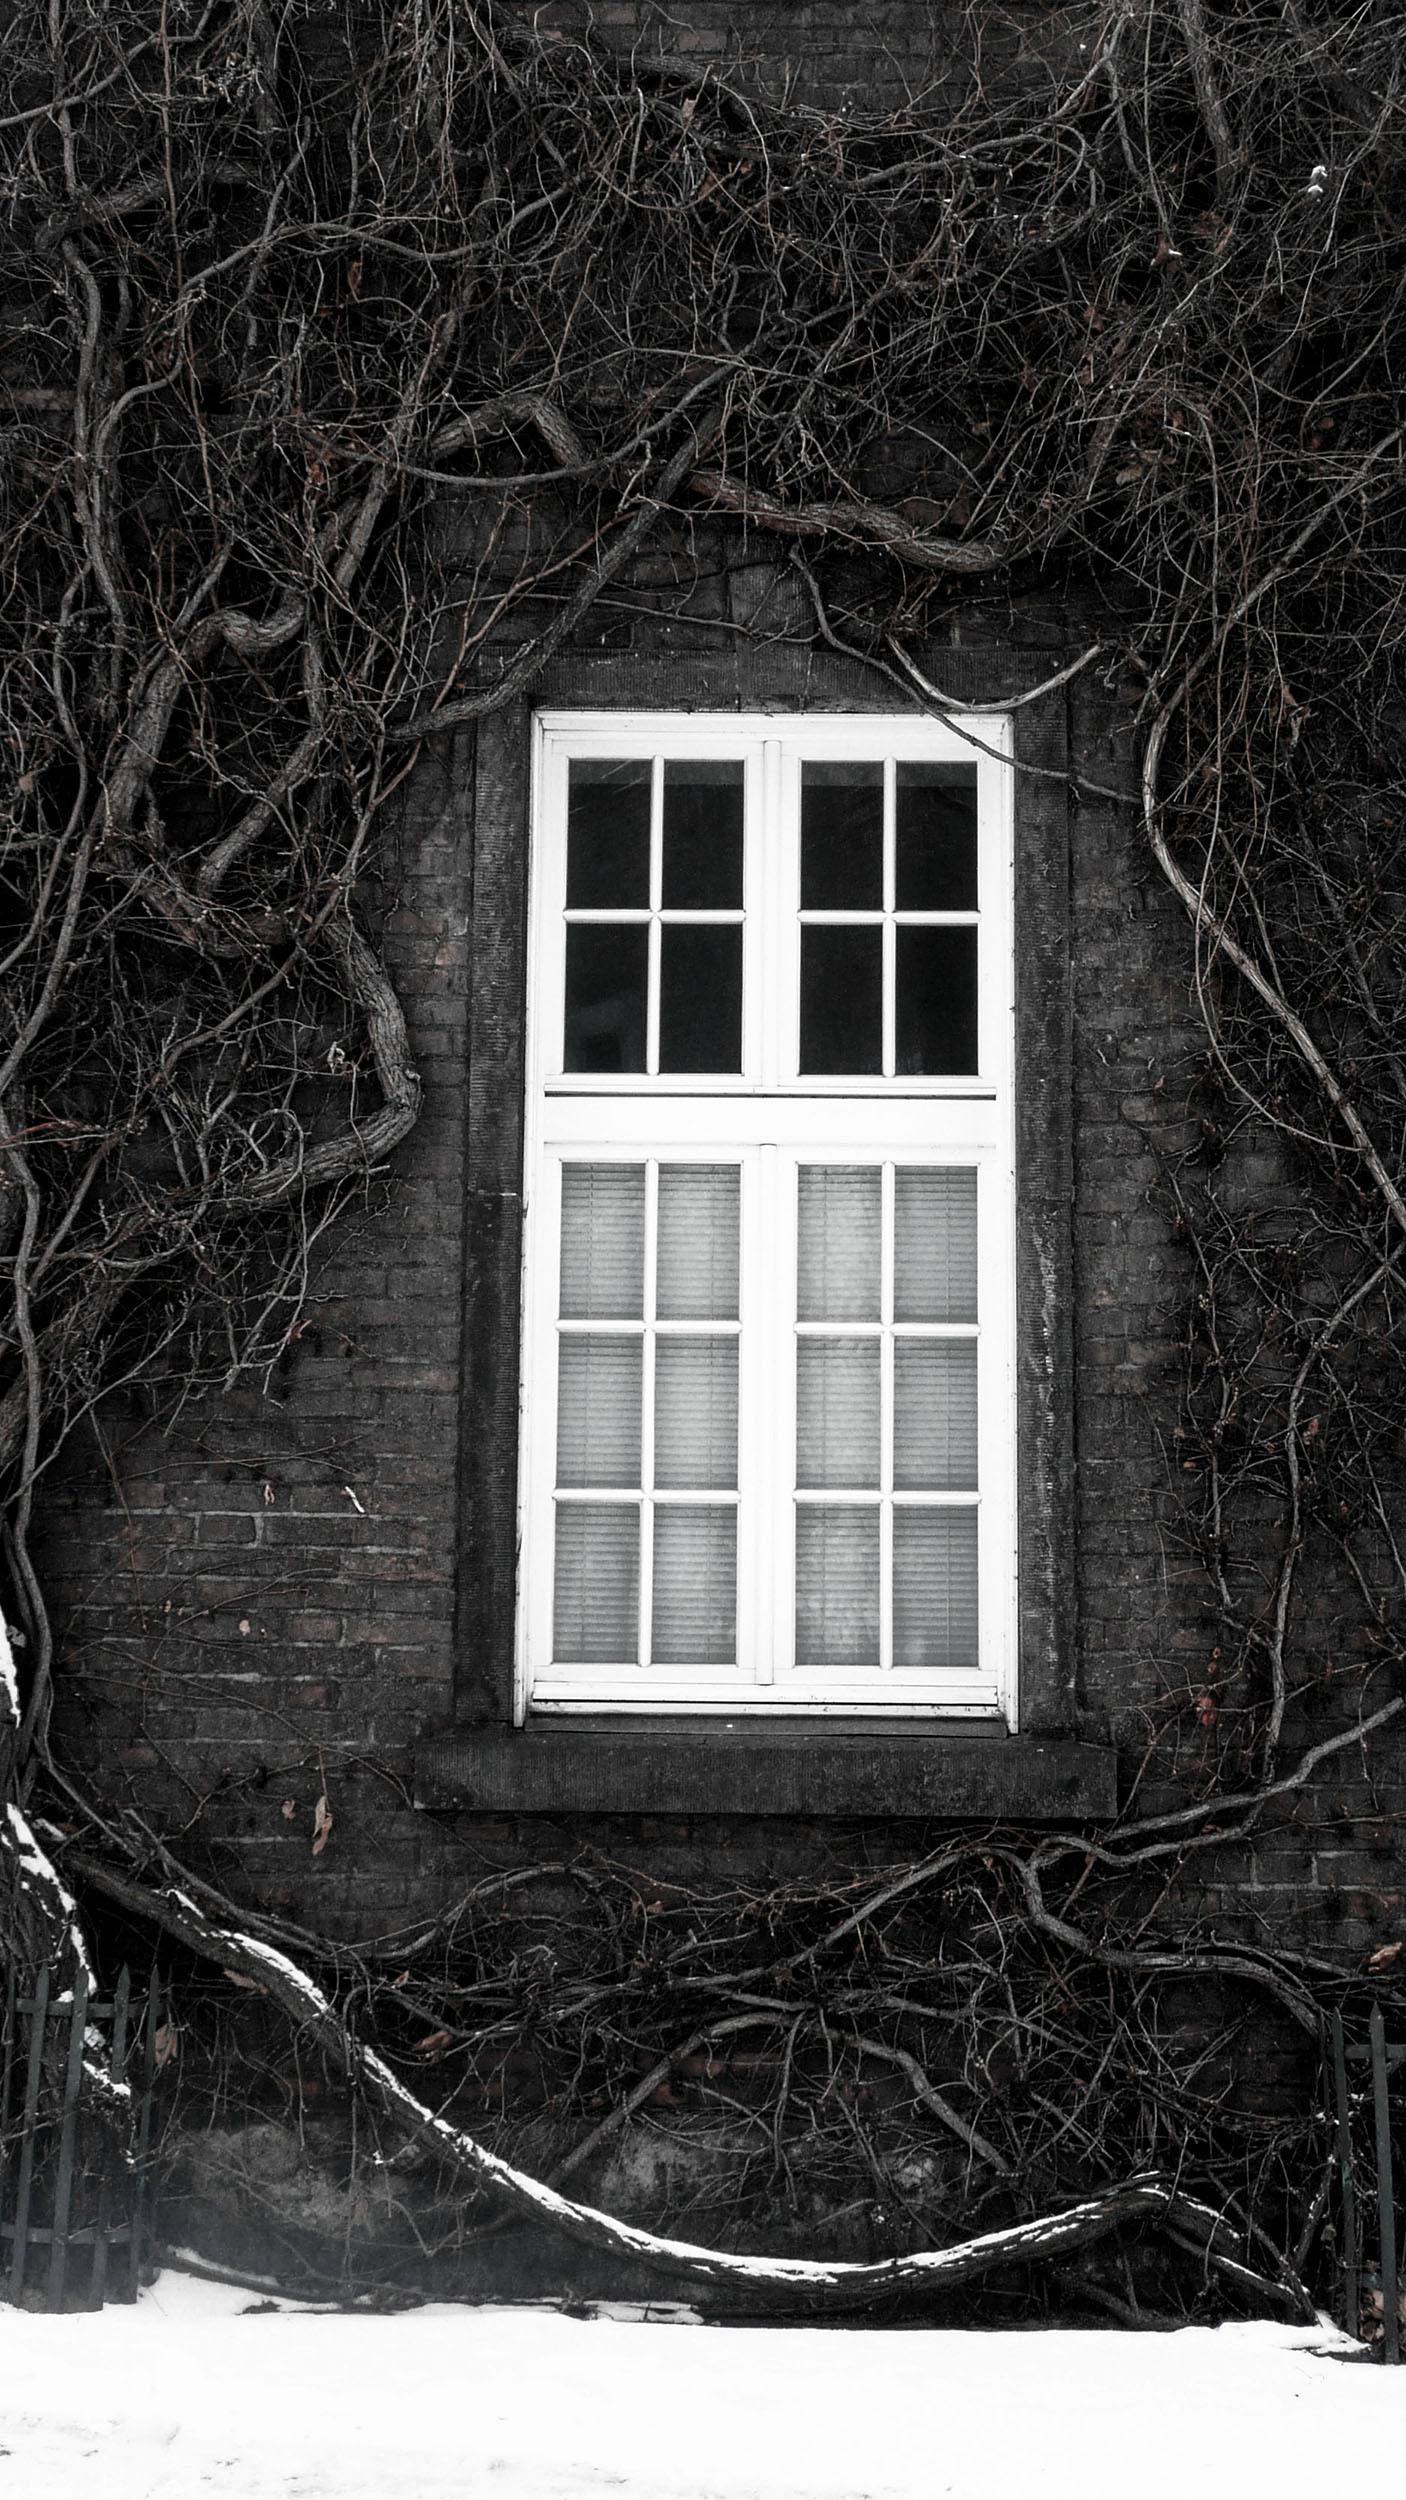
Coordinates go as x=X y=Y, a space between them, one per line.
x=837 y=1412
x=695 y=1412
x=934 y=1415
x=699 y=1240
x=597 y=1609
x=840 y=1214
x=837 y=1585
x=602 y=1241
x=934 y=1588
x=656 y=1245
x=599 y=1411
x=695 y=1586
x=934 y=1256
x=886 y=1404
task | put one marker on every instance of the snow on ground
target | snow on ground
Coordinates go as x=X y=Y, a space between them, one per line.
x=195 y=2394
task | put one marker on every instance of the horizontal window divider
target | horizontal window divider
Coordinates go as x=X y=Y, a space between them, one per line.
x=662 y=1495
x=967 y=1330
x=862 y=1496
x=922 y=1497
x=887 y=1089
x=876 y=919
x=636 y=915
x=697 y=1327
x=610 y=1326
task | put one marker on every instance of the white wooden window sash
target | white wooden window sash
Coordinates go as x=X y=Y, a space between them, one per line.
x=771 y=1124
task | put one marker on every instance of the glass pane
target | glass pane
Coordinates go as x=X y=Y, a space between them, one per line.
x=597 y=1608
x=934 y=1414
x=934 y=1588
x=842 y=1001
x=837 y=1412
x=607 y=976
x=695 y=1411
x=699 y=1210
x=695 y=1587
x=837 y=1586
x=935 y=812
x=934 y=1258
x=936 y=1002
x=703 y=836
x=839 y=1216
x=842 y=837
x=607 y=835
x=602 y=1240
x=598 y=1411
x=700 y=1000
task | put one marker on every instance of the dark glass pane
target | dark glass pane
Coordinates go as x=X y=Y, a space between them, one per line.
x=607 y=976
x=842 y=1001
x=700 y=1001
x=935 y=814
x=842 y=837
x=936 y=1002
x=703 y=836
x=607 y=829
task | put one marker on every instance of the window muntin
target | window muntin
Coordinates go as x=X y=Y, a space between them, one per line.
x=768 y=1442
x=653 y=917
x=888 y=918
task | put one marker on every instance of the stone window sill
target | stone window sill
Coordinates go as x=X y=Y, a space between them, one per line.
x=860 y=1773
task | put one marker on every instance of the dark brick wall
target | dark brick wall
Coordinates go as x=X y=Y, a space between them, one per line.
x=257 y=1599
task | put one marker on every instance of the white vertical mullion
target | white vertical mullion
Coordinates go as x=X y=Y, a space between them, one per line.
x=886 y=1452
x=749 y=1421
x=540 y=1305
x=756 y=920
x=775 y=938
x=656 y=899
x=890 y=939
x=776 y=1365
x=651 y=1260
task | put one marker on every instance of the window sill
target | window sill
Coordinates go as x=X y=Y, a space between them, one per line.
x=796 y=1769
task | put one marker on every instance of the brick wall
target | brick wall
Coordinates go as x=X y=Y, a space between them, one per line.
x=256 y=1599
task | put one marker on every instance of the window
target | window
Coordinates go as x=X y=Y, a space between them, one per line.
x=768 y=1435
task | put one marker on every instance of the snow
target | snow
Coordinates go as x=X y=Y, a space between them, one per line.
x=200 y=2390
x=9 y=1681
x=41 y=1870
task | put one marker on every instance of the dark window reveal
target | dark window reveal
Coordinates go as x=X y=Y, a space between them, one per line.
x=607 y=979
x=607 y=850
x=842 y=837
x=700 y=998
x=842 y=1001
x=936 y=1020
x=935 y=826
x=702 y=836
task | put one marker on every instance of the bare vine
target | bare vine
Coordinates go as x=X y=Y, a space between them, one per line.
x=353 y=362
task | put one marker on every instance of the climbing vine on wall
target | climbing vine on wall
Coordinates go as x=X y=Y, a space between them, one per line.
x=354 y=358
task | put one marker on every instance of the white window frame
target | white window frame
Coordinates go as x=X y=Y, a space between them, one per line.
x=770 y=1119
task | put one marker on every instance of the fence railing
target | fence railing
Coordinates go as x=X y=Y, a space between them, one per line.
x=75 y=2140
x=1384 y=2058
